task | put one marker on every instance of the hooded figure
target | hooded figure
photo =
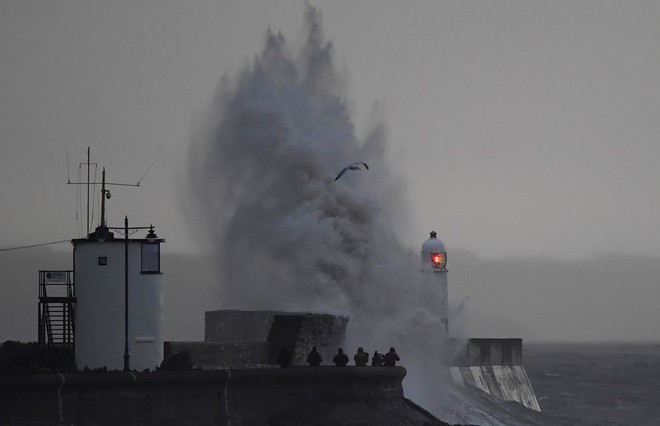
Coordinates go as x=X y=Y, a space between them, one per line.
x=391 y=358
x=314 y=358
x=377 y=359
x=361 y=358
x=340 y=358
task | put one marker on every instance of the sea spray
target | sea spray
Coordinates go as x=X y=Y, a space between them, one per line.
x=288 y=236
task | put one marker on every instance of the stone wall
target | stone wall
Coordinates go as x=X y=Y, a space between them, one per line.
x=237 y=326
x=249 y=338
x=275 y=396
x=299 y=332
x=219 y=355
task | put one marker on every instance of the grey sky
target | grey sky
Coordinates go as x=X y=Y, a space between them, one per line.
x=522 y=128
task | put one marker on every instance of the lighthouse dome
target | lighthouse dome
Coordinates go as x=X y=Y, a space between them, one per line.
x=433 y=244
x=434 y=254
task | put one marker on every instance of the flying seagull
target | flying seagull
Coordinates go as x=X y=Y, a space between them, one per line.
x=354 y=166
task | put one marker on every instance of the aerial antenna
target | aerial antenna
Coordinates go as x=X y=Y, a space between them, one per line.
x=68 y=168
x=105 y=193
x=88 y=183
x=94 y=192
x=149 y=168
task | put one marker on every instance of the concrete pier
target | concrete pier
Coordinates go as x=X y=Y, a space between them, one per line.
x=267 y=396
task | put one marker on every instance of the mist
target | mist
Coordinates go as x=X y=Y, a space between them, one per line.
x=607 y=297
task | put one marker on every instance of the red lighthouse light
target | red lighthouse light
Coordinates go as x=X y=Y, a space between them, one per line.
x=439 y=260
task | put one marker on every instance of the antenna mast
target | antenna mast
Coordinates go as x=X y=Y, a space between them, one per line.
x=105 y=193
x=88 y=164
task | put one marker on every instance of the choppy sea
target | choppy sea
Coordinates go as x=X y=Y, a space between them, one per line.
x=595 y=384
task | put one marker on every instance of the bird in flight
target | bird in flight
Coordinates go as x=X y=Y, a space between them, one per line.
x=354 y=166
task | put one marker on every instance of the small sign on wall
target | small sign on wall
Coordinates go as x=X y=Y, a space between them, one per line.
x=55 y=277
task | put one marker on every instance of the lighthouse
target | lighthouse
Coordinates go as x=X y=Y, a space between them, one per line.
x=434 y=269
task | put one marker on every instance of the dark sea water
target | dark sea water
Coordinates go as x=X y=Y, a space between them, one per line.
x=596 y=384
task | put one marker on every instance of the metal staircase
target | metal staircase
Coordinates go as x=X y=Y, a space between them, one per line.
x=57 y=304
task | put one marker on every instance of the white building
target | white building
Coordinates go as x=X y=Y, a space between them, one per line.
x=104 y=267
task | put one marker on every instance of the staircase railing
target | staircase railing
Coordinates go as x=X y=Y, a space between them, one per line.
x=57 y=302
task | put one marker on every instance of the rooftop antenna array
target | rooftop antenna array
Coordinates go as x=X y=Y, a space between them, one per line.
x=105 y=193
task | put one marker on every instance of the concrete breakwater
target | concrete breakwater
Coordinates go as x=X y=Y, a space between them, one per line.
x=268 y=396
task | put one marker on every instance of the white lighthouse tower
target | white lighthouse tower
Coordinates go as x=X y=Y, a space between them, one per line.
x=119 y=292
x=434 y=265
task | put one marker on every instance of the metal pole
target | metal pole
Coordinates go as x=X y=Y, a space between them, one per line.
x=103 y=192
x=88 y=190
x=126 y=356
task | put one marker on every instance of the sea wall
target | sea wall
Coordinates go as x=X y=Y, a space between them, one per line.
x=490 y=351
x=291 y=396
x=495 y=366
x=506 y=382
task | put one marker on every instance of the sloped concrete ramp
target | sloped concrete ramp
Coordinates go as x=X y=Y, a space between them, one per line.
x=508 y=382
x=495 y=366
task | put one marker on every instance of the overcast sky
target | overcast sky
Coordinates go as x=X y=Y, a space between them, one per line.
x=522 y=128
x=526 y=129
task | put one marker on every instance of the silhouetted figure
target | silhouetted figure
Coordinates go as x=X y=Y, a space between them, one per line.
x=314 y=358
x=340 y=359
x=377 y=359
x=390 y=358
x=284 y=357
x=361 y=358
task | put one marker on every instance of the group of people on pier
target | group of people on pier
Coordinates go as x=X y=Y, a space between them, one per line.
x=361 y=358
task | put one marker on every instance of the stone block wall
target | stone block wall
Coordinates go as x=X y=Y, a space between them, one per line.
x=237 y=326
x=251 y=338
x=217 y=355
x=299 y=332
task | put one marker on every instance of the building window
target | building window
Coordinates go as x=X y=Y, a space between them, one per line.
x=150 y=258
x=103 y=260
